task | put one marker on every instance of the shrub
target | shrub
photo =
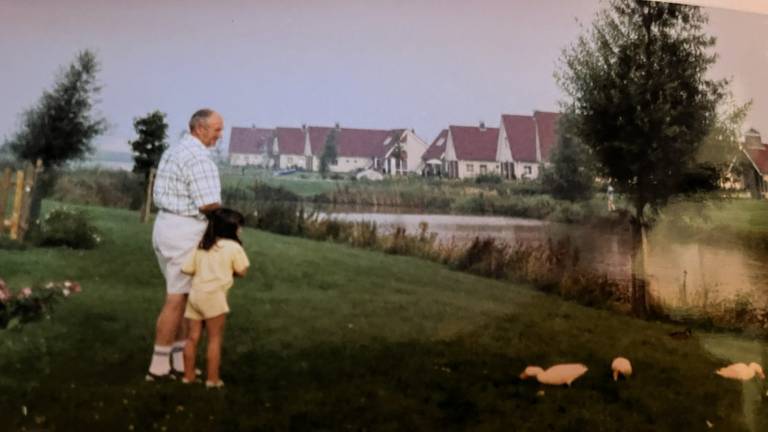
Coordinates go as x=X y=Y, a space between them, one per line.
x=488 y=179
x=484 y=257
x=31 y=303
x=66 y=227
x=108 y=188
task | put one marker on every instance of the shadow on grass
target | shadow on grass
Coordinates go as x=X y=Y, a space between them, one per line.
x=468 y=382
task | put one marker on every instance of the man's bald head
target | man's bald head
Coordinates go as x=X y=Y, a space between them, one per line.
x=207 y=126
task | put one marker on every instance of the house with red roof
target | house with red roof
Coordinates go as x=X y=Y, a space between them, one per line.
x=755 y=164
x=517 y=149
x=250 y=146
x=470 y=151
x=289 y=148
x=525 y=143
x=394 y=151
x=433 y=163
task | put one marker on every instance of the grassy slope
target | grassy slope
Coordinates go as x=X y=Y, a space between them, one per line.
x=324 y=337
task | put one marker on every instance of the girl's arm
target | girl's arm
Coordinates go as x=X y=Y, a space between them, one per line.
x=240 y=263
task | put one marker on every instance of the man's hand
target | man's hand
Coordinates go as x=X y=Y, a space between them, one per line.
x=209 y=208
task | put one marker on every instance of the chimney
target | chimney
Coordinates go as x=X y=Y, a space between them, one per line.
x=482 y=126
x=337 y=126
x=304 y=127
x=752 y=139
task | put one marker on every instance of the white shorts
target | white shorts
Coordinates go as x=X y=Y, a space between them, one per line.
x=174 y=237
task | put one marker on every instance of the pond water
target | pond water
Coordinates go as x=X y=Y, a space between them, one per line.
x=680 y=274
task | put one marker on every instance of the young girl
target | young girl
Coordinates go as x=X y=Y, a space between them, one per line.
x=219 y=257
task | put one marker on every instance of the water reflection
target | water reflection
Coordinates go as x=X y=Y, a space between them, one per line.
x=681 y=274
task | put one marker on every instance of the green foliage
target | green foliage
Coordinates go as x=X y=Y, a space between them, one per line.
x=572 y=174
x=488 y=179
x=152 y=130
x=67 y=227
x=638 y=90
x=329 y=154
x=108 y=188
x=265 y=207
x=60 y=126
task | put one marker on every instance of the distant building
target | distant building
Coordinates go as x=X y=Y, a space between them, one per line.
x=393 y=151
x=289 y=148
x=433 y=160
x=754 y=164
x=250 y=146
x=471 y=151
x=517 y=149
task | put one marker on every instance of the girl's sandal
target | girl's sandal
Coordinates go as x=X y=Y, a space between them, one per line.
x=150 y=377
x=180 y=374
x=214 y=385
x=192 y=381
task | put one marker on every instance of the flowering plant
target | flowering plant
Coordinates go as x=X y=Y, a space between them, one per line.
x=32 y=303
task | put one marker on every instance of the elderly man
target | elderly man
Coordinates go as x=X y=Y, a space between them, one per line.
x=187 y=186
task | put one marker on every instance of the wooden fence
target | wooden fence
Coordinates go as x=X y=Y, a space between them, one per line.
x=16 y=190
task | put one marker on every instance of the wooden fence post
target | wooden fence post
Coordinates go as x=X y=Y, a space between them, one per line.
x=31 y=176
x=147 y=209
x=17 y=198
x=5 y=190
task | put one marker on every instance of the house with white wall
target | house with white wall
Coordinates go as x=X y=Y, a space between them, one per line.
x=250 y=146
x=518 y=149
x=433 y=159
x=471 y=151
x=289 y=148
x=393 y=151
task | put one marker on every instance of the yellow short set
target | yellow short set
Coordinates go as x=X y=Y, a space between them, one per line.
x=206 y=305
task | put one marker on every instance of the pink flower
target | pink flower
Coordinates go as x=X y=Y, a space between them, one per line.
x=75 y=288
x=25 y=292
x=5 y=293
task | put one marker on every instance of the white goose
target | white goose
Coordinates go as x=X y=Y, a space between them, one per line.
x=556 y=375
x=621 y=366
x=741 y=371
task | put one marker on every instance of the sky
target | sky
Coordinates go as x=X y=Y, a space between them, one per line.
x=379 y=64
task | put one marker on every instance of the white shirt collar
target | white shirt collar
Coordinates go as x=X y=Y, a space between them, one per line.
x=191 y=140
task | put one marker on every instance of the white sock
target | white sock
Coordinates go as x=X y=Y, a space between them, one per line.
x=177 y=355
x=161 y=364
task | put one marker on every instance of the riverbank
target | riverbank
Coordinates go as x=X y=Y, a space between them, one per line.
x=323 y=336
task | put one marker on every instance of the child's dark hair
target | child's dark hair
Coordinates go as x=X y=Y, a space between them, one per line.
x=222 y=224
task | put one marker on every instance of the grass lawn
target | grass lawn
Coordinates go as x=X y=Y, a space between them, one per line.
x=738 y=214
x=305 y=187
x=325 y=337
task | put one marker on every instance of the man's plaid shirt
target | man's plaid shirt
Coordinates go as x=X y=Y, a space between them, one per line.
x=187 y=178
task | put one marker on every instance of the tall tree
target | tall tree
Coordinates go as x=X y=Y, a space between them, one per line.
x=61 y=126
x=572 y=174
x=152 y=130
x=330 y=153
x=637 y=85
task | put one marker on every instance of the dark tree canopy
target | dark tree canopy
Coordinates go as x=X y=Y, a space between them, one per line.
x=152 y=130
x=61 y=126
x=330 y=152
x=637 y=85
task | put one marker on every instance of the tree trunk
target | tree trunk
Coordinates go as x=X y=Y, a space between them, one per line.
x=44 y=184
x=638 y=295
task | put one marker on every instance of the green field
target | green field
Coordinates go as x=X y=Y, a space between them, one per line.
x=302 y=184
x=325 y=337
